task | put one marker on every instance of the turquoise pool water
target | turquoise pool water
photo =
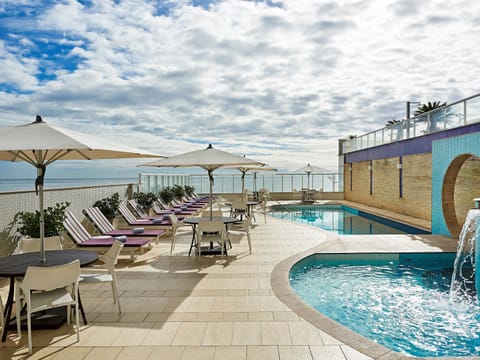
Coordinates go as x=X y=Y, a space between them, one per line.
x=341 y=219
x=400 y=301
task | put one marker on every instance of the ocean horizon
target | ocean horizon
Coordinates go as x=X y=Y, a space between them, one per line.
x=28 y=184
x=223 y=183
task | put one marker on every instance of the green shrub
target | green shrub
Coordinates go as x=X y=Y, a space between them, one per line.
x=109 y=206
x=189 y=190
x=166 y=194
x=29 y=222
x=145 y=200
x=178 y=192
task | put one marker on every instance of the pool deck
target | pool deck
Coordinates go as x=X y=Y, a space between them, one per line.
x=184 y=307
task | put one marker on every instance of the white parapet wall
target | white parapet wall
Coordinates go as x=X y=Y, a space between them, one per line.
x=78 y=197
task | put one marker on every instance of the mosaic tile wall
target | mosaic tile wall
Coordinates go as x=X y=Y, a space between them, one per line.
x=444 y=151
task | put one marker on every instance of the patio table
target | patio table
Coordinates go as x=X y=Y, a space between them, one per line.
x=194 y=222
x=16 y=266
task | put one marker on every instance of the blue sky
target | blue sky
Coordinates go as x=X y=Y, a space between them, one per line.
x=277 y=81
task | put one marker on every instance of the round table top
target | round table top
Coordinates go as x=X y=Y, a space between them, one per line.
x=16 y=265
x=196 y=220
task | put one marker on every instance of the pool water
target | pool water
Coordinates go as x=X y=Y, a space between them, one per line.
x=341 y=219
x=400 y=301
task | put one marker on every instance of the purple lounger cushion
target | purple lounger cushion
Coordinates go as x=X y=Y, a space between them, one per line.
x=105 y=242
x=120 y=232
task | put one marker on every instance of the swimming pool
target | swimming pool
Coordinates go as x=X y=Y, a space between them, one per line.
x=341 y=219
x=400 y=301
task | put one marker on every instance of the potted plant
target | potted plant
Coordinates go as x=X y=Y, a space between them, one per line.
x=109 y=206
x=166 y=194
x=178 y=192
x=29 y=222
x=189 y=190
x=145 y=200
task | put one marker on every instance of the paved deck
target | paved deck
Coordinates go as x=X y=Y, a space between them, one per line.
x=181 y=307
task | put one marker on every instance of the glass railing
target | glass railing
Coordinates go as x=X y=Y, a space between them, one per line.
x=232 y=183
x=460 y=113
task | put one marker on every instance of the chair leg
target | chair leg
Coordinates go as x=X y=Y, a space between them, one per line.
x=17 y=312
x=172 y=246
x=116 y=296
x=29 y=329
x=77 y=321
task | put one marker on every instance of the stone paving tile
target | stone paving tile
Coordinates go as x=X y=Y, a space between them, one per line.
x=184 y=307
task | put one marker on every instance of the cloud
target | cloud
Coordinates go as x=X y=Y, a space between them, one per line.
x=283 y=80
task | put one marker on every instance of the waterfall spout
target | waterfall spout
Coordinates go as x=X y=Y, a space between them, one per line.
x=465 y=275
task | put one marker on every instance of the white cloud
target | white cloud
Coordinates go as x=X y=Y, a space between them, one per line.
x=280 y=82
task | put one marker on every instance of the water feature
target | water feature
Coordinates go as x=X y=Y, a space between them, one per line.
x=466 y=276
x=422 y=305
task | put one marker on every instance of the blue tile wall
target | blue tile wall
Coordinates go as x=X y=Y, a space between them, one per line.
x=444 y=151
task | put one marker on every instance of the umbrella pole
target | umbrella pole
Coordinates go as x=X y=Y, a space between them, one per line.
x=210 y=176
x=42 y=215
x=243 y=185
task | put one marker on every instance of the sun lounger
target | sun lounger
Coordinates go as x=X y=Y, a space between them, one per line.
x=180 y=212
x=80 y=236
x=132 y=222
x=104 y=227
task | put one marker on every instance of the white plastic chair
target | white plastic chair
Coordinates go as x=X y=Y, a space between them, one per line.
x=45 y=288
x=243 y=227
x=176 y=224
x=215 y=213
x=33 y=244
x=262 y=209
x=210 y=231
x=109 y=260
x=239 y=208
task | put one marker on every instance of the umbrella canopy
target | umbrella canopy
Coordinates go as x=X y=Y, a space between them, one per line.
x=309 y=169
x=209 y=159
x=253 y=169
x=40 y=144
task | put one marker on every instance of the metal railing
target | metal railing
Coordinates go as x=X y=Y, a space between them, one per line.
x=460 y=113
x=232 y=183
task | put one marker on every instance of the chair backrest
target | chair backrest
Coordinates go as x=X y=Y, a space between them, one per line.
x=51 y=277
x=163 y=203
x=110 y=258
x=99 y=220
x=75 y=228
x=175 y=202
x=215 y=213
x=239 y=204
x=137 y=208
x=31 y=245
x=211 y=226
x=126 y=213
x=173 y=220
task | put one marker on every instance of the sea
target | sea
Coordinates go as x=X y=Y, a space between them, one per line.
x=28 y=184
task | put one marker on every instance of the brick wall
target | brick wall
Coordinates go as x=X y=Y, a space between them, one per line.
x=417 y=188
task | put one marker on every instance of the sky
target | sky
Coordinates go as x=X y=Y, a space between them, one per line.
x=277 y=81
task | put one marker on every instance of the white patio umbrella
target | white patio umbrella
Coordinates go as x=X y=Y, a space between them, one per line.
x=40 y=144
x=253 y=169
x=209 y=159
x=310 y=169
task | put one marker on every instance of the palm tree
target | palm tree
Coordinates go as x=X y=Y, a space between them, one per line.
x=424 y=108
x=435 y=118
x=392 y=122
